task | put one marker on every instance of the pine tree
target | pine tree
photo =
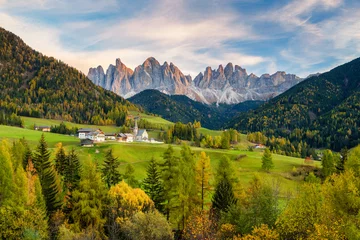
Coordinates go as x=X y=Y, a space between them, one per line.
x=110 y=170
x=267 y=163
x=225 y=170
x=48 y=176
x=129 y=176
x=153 y=186
x=203 y=174
x=88 y=204
x=169 y=174
x=72 y=171
x=60 y=159
x=224 y=196
x=27 y=153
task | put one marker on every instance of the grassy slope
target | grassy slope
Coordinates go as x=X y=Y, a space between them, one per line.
x=140 y=153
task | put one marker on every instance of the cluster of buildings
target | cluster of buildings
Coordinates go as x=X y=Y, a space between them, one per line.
x=88 y=136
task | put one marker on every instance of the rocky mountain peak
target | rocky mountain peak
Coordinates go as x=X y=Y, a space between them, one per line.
x=220 y=69
x=223 y=85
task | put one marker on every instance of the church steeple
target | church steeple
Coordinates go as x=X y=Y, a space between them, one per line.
x=136 y=129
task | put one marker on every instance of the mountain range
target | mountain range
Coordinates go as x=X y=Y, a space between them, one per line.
x=229 y=85
x=181 y=108
x=323 y=110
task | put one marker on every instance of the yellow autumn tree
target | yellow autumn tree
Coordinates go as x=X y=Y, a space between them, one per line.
x=127 y=201
x=260 y=233
x=203 y=175
x=200 y=227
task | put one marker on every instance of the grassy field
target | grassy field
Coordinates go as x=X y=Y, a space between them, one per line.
x=139 y=154
x=30 y=122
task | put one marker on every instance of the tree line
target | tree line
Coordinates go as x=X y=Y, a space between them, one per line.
x=41 y=198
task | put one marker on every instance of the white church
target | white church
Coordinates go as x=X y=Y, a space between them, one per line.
x=140 y=135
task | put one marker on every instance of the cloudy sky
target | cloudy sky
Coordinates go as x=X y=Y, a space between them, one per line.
x=263 y=36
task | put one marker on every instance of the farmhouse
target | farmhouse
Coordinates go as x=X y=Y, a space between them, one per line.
x=86 y=143
x=42 y=128
x=110 y=136
x=84 y=132
x=129 y=137
x=96 y=136
x=260 y=146
x=121 y=137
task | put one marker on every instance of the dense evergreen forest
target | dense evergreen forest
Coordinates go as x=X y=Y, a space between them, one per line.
x=52 y=195
x=322 y=111
x=32 y=84
x=179 y=108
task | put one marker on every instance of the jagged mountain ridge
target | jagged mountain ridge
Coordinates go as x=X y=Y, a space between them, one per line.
x=227 y=85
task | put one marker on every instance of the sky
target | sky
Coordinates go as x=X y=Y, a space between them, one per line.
x=264 y=36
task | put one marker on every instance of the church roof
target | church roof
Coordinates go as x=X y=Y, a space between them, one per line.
x=141 y=131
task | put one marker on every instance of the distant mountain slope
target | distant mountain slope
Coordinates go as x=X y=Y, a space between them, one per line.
x=181 y=108
x=32 y=84
x=327 y=105
x=229 y=85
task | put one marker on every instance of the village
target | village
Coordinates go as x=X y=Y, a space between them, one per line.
x=90 y=136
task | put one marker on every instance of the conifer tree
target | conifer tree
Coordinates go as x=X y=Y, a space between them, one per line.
x=48 y=176
x=169 y=174
x=110 y=170
x=72 y=171
x=267 y=163
x=203 y=174
x=60 y=159
x=129 y=175
x=88 y=204
x=153 y=186
x=223 y=197
x=225 y=170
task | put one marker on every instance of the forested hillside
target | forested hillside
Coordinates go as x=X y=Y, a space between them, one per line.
x=324 y=110
x=35 y=85
x=177 y=108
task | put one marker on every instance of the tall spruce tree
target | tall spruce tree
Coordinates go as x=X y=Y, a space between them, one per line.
x=267 y=163
x=129 y=176
x=48 y=176
x=110 y=170
x=88 y=204
x=169 y=175
x=27 y=154
x=223 y=197
x=153 y=186
x=60 y=159
x=72 y=171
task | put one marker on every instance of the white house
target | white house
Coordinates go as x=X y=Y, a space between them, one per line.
x=84 y=132
x=96 y=136
x=129 y=137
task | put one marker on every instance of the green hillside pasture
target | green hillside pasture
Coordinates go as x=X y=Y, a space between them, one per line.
x=30 y=122
x=139 y=155
x=32 y=136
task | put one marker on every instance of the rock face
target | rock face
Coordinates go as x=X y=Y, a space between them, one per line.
x=224 y=85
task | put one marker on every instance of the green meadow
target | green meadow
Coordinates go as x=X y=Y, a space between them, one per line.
x=138 y=154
